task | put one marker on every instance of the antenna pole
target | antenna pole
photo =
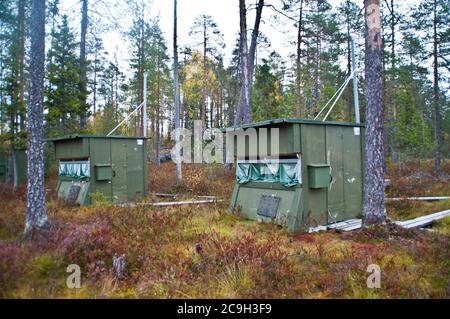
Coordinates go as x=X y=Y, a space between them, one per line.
x=145 y=106
x=355 y=82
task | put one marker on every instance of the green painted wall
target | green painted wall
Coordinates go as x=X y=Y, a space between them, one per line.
x=318 y=144
x=21 y=160
x=118 y=166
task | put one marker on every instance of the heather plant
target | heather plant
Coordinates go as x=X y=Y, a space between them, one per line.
x=206 y=252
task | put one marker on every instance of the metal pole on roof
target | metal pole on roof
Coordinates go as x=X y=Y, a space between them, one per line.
x=144 y=129
x=127 y=117
x=355 y=82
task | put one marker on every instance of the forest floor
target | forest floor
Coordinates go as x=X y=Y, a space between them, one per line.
x=205 y=252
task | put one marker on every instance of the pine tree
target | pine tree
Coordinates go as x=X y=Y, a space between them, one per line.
x=96 y=68
x=83 y=64
x=206 y=30
x=432 y=18
x=267 y=93
x=373 y=192
x=36 y=216
x=15 y=77
x=176 y=88
x=139 y=38
x=64 y=98
x=159 y=80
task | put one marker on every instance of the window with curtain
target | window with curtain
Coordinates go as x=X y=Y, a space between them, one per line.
x=75 y=169
x=286 y=172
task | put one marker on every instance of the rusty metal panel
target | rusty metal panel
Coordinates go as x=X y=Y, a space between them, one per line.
x=268 y=206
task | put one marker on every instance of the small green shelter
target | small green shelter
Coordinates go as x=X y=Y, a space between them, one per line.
x=313 y=177
x=21 y=162
x=3 y=165
x=114 y=166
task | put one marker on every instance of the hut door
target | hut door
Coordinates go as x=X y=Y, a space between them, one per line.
x=335 y=157
x=119 y=181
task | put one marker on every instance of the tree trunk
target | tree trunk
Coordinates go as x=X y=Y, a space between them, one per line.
x=83 y=61
x=220 y=108
x=392 y=26
x=94 y=102
x=36 y=216
x=373 y=194
x=315 y=91
x=21 y=34
x=176 y=89
x=252 y=52
x=1 y=80
x=243 y=115
x=158 y=107
x=392 y=35
x=298 y=92
x=204 y=75
x=437 y=107
x=140 y=77
x=211 y=111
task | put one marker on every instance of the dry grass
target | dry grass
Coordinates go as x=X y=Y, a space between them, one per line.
x=205 y=252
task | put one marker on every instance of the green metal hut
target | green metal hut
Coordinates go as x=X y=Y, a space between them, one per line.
x=3 y=165
x=114 y=166
x=314 y=177
x=21 y=162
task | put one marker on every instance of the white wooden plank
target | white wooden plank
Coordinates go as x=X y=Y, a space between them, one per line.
x=423 y=220
x=191 y=202
x=168 y=204
x=353 y=224
x=177 y=195
x=424 y=198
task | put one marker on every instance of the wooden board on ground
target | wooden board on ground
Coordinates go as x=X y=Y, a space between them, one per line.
x=168 y=204
x=353 y=224
x=432 y=198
